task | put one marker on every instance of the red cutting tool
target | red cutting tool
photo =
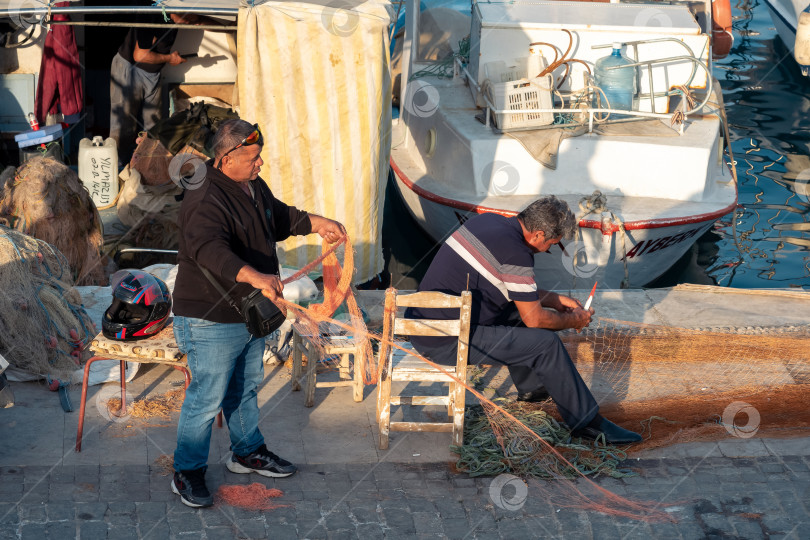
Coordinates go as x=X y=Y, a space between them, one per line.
x=590 y=298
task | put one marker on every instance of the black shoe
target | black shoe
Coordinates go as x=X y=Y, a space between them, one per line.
x=262 y=461
x=538 y=395
x=613 y=434
x=190 y=485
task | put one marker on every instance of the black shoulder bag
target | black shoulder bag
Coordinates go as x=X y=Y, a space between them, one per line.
x=261 y=315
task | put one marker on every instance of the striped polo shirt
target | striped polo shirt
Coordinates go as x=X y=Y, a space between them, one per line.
x=488 y=256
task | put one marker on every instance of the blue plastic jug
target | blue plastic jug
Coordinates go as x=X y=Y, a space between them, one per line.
x=617 y=84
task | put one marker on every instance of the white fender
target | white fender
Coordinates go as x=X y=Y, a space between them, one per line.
x=801 y=50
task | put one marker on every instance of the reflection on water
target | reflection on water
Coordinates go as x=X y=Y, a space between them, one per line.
x=767 y=102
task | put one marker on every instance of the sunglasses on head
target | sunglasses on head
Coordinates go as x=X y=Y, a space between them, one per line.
x=255 y=137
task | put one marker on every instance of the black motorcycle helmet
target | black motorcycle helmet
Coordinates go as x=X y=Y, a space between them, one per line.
x=140 y=308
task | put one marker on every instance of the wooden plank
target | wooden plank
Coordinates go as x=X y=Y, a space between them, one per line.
x=309 y=385
x=384 y=384
x=422 y=426
x=420 y=400
x=384 y=420
x=295 y=379
x=427 y=327
x=223 y=91
x=357 y=384
x=333 y=384
x=429 y=299
x=409 y=362
x=420 y=376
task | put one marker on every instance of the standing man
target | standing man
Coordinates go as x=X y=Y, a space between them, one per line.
x=135 y=96
x=493 y=256
x=229 y=225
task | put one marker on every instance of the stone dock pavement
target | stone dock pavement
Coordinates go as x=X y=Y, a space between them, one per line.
x=118 y=486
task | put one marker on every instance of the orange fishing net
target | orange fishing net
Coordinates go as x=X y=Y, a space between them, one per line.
x=251 y=497
x=645 y=361
x=337 y=291
x=782 y=412
x=155 y=407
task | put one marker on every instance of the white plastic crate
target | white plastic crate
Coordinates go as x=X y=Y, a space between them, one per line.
x=510 y=89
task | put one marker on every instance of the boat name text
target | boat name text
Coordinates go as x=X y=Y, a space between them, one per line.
x=657 y=244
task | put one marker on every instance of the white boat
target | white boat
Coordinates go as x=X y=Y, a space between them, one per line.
x=792 y=21
x=662 y=188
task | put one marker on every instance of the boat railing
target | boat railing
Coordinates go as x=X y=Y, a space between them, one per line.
x=690 y=57
x=592 y=112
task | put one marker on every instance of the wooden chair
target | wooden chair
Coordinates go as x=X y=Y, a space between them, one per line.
x=402 y=367
x=158 y=349
x=335 y=345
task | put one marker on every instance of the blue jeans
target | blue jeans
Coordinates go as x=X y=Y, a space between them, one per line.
x=135 y=104
x=226 y=368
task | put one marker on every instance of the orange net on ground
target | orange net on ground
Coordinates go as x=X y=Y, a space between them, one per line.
x=155 y=407
x=777 y=413
x=251 y=497
x=680 y=384
x=647 y=361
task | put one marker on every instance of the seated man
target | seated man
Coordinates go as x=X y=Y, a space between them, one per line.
x=493 y=256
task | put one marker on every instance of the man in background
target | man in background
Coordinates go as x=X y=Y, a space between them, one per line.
x=135 y=96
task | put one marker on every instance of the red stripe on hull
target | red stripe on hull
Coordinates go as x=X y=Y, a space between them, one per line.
x=586 y=223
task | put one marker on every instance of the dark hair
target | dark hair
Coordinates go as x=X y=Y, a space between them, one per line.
x=550 y=215
x=229 y=134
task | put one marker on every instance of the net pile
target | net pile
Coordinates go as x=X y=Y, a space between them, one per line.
x=144 y=409
x=486 y=453
x=46 y=200
x=652 y=361
x=680 y=384
x=43 y=326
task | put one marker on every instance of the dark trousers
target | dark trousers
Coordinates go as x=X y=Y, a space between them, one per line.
x=535 y=358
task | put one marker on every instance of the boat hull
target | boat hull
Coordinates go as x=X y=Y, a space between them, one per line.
x=613 y=258
x=792 y=28
x=785 y=16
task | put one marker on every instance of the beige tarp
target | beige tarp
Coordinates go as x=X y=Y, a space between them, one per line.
x=316 y=78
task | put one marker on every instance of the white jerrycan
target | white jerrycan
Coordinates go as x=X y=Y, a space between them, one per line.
x=98 y=169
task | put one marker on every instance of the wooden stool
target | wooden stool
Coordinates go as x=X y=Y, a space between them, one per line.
x=335 y=345
x=158 y=349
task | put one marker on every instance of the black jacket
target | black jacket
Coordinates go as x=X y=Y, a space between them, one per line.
x=222 y=229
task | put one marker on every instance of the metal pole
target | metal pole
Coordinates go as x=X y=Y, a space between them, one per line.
x=148 y=25
x=116 y=10
x=410 y=46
